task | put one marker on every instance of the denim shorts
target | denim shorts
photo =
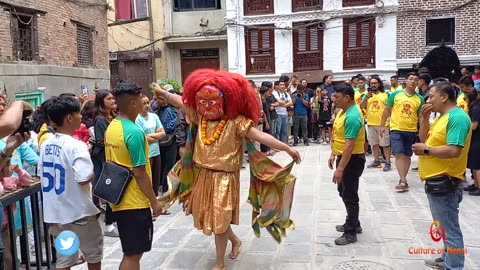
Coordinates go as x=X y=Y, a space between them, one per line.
x=401 y=142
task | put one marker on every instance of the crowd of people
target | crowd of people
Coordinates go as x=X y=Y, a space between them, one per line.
x=73 y=137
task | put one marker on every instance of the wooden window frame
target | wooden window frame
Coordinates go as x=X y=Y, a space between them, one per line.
x=133 y=10
x=90 y=44
x=308 y=50
x=249 y=55
x=453 y=31
x=319 y=6
x=356 y=3
x=248 y=12
x=372 y=42
x=34 y=39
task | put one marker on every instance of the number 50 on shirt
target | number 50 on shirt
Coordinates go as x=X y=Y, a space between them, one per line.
x=54 y=174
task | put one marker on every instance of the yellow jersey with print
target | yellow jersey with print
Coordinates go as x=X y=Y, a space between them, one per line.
x=462 y=103
x=348 y=125
x=405 y=109
x=452 y=128
x=359 y=96
x=126 y=145
x=393 y=89
x=375 y=108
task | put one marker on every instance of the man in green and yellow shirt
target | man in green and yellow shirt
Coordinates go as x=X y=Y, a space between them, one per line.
x=403 y=108
x=466 y=85
x=443 y=157
x=348 y=138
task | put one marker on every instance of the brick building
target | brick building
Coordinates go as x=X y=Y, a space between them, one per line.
x=453 y=22
x=57 y=45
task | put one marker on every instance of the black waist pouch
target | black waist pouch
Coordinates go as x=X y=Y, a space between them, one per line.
x=440 y=185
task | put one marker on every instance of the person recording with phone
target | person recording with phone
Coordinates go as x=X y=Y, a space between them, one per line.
x=301 y=102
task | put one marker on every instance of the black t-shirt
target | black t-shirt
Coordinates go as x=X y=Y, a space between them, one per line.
x=273 y=113
x=325 y=108
x=475 y=116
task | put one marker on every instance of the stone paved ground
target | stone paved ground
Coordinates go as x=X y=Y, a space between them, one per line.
x=392 y=223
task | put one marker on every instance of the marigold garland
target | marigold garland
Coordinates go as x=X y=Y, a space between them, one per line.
x=216 y=134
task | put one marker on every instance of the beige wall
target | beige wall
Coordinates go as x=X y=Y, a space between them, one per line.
x=132 y=35
x=188 y=22
x=174 y=63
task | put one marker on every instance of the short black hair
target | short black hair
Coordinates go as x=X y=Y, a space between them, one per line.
x=67 y=95
x=423 y=70
x=276 y=83
x=354 y=77
x=301 y=87
x=130 y=88
x=59 y=107
x=411 y=74
x=345 y=89
x=426 y=77
x=447 y=89
x=263 y=89
x=267 y=84
x=466 y=80
x=303 y=80
x=361 y=78
x=394 y=77
x=284 y=78
x=477 y=67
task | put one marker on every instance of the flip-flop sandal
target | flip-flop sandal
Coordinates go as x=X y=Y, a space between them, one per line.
x=81 y=260
x=165 y=213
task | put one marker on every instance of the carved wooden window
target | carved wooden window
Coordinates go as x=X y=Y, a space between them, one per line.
x=23 y=36
x=307 y=47
x=260 y=46
x=355 y=3
x=256 y=7
x=84 y=46
x=306 y=5
x=359 y=43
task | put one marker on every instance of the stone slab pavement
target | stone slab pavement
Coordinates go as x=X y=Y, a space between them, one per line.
x=392 y=222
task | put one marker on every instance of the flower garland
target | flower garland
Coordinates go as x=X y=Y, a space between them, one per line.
x=216 y=134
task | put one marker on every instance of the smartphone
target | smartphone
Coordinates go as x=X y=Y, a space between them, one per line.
x=84 y=90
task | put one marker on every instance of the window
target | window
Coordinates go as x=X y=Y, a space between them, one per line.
x=359 y=43
x=23 y=37
x=84 y=46
x=256 y=7
x=187 y=5
x=260 y=46
x=441 y=30
x=306 y=5
x=131 y=9
x=355 y=3
x=307 y=47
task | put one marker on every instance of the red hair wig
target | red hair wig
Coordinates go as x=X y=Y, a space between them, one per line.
x=240 y=98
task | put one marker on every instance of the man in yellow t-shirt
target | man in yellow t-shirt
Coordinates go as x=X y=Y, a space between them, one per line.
x=466 y=85
x=374 y=104
x=395 y=86
x=403 y=108
x=126 y=145
x=443 y=157
x=348 y=138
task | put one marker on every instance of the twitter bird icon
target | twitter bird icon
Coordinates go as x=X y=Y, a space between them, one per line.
x=67 y=243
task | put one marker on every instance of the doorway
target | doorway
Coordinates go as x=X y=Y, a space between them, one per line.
x=193 y=59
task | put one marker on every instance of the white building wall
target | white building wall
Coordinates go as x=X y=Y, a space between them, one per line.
x=333 y=38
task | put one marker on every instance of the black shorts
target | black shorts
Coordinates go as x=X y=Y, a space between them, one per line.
x=325 y=123
x=136 y=230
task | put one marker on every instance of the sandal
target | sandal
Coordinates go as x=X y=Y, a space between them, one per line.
x=402 y=185
x=165 y=213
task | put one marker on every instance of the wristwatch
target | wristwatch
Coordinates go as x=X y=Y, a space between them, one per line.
x=426 y=151
x=5 y=156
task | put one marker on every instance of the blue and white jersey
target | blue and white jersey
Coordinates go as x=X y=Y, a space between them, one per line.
x=64 y=164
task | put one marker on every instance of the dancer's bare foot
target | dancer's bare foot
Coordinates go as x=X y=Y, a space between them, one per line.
x=236 y=244
x=219 y=267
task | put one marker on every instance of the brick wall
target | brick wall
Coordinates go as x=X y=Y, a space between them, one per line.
x=56 y=30
x=411 y=26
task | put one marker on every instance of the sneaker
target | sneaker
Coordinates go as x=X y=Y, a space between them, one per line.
x=476 y=192
x=435 y=263
x=113 y=233
x=341 y=228
x=415 y=169
x=387 y=167
x=375 y=164
x=295 y=144
x=325 y=143
x=470 y=188
x=346 y=239
x=402 y=186
x=306 y=143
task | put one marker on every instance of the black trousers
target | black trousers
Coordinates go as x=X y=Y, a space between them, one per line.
x=348 y=190
x=169 y=158
x=156 y=168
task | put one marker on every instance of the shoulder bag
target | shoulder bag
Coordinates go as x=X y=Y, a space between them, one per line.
x=112 y=183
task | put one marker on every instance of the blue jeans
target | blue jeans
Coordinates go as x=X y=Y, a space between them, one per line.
x=281 y=128
x=444 y=209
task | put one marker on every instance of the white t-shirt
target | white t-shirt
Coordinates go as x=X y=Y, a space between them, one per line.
x=282 y=96
x=65 y=163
